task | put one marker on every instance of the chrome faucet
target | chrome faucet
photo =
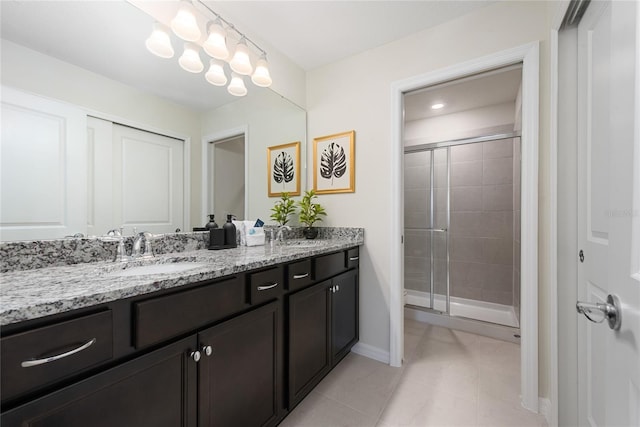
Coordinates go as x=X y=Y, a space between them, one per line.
x=280 y=232
x=118 y=236
x=137 y=252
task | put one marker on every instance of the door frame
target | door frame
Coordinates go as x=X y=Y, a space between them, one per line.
x=528 y=54
x=206 y=179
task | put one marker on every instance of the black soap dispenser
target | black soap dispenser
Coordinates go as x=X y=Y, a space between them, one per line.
x=212 y=223
x=230 y=239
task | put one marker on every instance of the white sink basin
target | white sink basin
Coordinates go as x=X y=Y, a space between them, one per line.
x=173 y=267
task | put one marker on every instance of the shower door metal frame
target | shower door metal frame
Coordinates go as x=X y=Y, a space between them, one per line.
x=431 y=228
x=433 y=146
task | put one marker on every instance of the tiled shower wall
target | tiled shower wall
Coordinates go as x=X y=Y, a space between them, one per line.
x=482 y=222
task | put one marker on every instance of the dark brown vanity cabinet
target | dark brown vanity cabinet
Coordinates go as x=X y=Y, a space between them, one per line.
x=236 y=351
x=323 y=326
x=155 y=390
x=229 y=374
x=240 y=372
x=309 y=337
x=344 y=314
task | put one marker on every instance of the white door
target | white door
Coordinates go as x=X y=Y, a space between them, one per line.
x=147 y=180
x=134 y=179
x=43 y=166
x=609 y=212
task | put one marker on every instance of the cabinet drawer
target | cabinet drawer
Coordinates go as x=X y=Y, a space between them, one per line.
x=158 y=319
x=42 y=356
x=265 y=285
x=352 y=259
x=328 y=265
x=298 y=275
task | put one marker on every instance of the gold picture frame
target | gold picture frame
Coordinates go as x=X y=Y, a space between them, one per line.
x=283 y=169
x=334 y=163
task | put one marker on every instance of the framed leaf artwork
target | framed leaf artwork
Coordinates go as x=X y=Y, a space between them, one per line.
x=283 y=169
x=334 y=163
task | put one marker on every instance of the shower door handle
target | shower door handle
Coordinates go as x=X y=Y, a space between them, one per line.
x=440 y=230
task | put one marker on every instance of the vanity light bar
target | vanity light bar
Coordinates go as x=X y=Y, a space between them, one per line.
x=185 y=26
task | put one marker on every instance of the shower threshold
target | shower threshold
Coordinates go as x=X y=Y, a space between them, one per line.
x=462 y=307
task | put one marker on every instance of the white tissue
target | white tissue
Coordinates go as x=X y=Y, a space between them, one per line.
x=255 y=236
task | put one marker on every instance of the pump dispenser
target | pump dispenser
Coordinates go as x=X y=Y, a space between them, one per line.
x=212 y=223
x=230 y=240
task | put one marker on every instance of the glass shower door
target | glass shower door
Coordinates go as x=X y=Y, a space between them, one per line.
x=426 y=217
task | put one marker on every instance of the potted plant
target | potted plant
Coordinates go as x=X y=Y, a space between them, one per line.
x=283 y=209
x=310 y=213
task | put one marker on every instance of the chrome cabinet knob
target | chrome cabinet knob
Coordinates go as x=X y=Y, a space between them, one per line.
x=207 y=350
x=195 y=355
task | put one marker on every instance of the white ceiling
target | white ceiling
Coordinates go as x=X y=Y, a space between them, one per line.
x=107 y=37
x=316 y=33
x=491 y=88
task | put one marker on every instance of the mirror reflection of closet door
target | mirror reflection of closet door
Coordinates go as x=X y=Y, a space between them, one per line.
x=42 y=166
x=135 y=179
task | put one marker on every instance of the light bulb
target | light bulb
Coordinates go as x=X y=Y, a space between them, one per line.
x=240 y=62
x=184 y=24
x=159 y=42
x=261 y=75
x=190 y=59
x=216 y=43
x=216 y=75
x=237 y=87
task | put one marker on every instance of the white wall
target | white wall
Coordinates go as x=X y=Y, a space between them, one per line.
x=355 y=94
x=463 y=124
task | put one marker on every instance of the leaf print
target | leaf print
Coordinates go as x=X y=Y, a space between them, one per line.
x=283 y=168
x=333 y=162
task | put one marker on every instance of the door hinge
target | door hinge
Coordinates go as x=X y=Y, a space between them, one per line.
x=581 y=255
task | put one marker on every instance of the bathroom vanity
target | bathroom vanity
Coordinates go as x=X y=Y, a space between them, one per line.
x=237 y=341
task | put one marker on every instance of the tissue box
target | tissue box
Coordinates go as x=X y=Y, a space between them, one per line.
x=254 y=236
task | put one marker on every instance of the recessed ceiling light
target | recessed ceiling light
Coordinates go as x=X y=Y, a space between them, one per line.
x=437 y=106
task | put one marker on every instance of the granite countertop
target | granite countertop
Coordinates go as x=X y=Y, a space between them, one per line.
x=31 y=294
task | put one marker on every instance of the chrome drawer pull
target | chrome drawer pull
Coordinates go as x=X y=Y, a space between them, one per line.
x=265 y=288
x=354 y=258
x=29 y=363
x=301 y=276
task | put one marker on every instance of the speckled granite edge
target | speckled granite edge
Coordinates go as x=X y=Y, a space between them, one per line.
x=29 y=255
x=31 y=294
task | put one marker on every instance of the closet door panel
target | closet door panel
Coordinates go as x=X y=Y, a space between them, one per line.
x=148 y=180
x=43 y=165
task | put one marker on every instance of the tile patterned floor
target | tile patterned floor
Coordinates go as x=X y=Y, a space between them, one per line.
x=450 y=378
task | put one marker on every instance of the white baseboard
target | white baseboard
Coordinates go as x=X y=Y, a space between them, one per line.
x=371 y=352
x=544 y=407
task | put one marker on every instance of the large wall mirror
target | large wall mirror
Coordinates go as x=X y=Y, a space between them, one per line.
x=97 y=145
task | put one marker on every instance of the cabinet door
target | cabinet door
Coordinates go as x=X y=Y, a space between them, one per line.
x=158 y=389
x=344 y=314
x=240 y=382
x=309 y=358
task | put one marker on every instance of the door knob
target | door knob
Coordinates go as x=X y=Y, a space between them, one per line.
x=195 y=355
x=597 y=312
